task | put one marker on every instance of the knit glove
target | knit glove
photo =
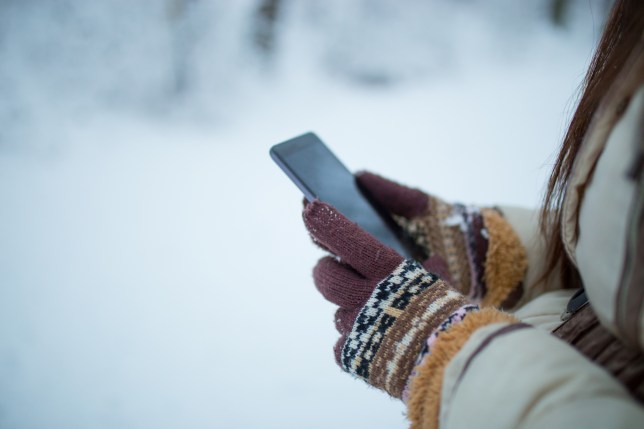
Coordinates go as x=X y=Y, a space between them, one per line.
x=390 y=309
x=475 y=249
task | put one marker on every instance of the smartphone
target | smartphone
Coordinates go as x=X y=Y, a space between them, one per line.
x=319 y=174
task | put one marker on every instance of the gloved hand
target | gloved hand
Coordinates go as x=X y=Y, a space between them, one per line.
x=391 y=309
x=475 y=249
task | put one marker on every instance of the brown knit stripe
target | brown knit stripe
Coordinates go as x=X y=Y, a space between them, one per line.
x=405 y=360
x=447 y=241
x=425 y=229
x=425 y=395
x=506 y=261
x=459 y=258
x=378 y=369
x=432 y=225
x=449 y=238
x=395 y=359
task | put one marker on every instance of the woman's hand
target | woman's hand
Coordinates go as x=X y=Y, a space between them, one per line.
x=475 y=249
x=389 y=308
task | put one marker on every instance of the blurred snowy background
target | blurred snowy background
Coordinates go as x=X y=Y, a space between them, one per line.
x=154 y=271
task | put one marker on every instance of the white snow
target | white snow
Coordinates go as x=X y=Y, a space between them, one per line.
x=154 y=269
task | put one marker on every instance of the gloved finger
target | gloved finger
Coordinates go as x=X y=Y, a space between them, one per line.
x=347 y=240
x=340 y=284
x=393 y=197
x=305 y=203
x=337 y=349
x=344 y=319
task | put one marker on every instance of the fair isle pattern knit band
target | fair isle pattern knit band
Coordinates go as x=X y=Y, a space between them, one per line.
x=387 y=302
x=457 y=234
x=389 y=331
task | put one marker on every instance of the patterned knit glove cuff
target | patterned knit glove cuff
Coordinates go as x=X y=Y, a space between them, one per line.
x=475 y=249
x=391 y=329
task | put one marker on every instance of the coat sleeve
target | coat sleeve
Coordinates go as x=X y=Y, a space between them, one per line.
x=511 y=375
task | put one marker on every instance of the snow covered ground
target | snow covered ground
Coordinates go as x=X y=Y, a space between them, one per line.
x=154 y=270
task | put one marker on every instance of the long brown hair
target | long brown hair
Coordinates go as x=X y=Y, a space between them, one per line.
x=622 y=33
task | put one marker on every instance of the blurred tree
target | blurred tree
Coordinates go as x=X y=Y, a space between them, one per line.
x=265 y=23
x=558 y=10
x=184 y=37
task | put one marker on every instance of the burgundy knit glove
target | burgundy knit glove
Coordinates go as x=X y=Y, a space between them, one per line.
x=390 y=308
x=475 y=249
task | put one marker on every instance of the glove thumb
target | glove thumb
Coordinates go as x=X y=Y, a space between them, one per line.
x=393 y=197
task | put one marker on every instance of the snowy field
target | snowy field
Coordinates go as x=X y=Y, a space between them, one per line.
x=154 y=270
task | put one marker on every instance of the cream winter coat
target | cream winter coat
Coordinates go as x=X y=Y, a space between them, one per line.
x=527 y=378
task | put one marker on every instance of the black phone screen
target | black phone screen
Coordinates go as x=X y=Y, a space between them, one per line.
x=320 y=174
